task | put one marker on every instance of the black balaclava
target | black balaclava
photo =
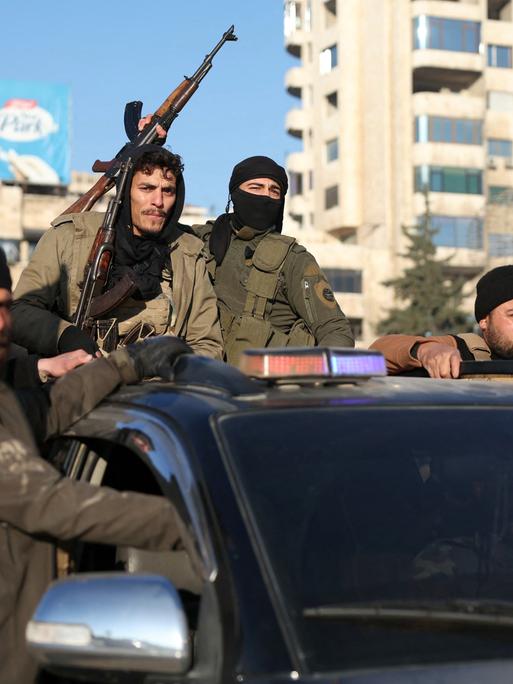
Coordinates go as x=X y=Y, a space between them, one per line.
x=259 y=212
x=5 y=275
x=145 y=257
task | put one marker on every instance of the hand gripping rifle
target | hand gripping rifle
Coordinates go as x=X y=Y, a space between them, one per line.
x=92 y=303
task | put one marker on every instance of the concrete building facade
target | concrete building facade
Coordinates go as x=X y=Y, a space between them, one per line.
x=396 y=97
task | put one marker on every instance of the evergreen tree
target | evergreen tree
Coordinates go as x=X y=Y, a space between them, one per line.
x=431 y=296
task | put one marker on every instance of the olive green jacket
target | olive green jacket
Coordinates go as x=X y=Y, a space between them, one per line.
x=47 y=293
x=38 y=505
x=303 y=301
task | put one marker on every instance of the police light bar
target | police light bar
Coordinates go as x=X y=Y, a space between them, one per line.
x=312 y=363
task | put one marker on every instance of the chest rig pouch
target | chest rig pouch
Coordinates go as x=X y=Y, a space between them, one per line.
x=253 y=328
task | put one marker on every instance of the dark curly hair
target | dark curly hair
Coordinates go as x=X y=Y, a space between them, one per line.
x=161 y=159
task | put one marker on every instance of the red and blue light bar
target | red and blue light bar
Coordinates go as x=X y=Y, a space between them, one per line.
x=312 y=363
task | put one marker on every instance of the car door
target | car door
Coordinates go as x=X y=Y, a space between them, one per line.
x=132 y=448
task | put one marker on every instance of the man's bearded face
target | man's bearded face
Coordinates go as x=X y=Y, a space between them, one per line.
x=497 y=330
x=152 y=196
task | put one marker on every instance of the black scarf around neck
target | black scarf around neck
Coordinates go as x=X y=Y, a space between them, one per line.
x=144 y=257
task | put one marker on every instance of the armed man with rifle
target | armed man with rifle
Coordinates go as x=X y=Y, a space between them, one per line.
x=169 y=291
x=271 y=291
x=106 y=280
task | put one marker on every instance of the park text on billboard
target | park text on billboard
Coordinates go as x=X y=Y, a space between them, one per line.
x=34 y=133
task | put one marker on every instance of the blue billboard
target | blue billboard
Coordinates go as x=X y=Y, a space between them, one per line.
x=34 y=132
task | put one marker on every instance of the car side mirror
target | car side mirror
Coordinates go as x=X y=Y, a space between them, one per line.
x=111 y=621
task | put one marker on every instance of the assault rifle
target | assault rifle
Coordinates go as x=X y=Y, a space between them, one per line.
x=164 y=116
x=93 y=304
x=99 y=260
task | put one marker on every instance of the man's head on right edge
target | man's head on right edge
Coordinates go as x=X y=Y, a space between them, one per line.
x=155 y=176
x=494 y=310
x=258 y=186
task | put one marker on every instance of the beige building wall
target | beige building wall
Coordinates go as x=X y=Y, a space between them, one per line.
x=348 y=207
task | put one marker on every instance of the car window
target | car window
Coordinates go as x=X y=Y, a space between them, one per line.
x=376 y=506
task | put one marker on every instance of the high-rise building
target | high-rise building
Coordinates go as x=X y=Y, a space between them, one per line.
x=396 y=97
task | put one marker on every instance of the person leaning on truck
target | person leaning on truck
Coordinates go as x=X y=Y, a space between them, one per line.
x=441 y=356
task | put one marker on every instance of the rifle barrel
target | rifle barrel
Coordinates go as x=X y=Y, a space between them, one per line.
x=227 y=36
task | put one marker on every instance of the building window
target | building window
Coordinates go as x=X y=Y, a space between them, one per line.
x=330 y=16
x=500 y=244
x=296 y=183
x=457 y=231
x=448 y=179
x=500 y=101
x=292 y=17
x=499 y=148
x=357 y=327
x=331 y=6
x=331 y=197
x=437 y=33
x=500 y=194
x=499 y=56
x=308 y=15
x=12 y=250
x=448 y=129
x=344 y=279
x=331 y=102
x=328 y=59
x=332 y=150
x=310 y=179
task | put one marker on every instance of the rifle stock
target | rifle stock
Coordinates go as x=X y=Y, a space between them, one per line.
x=89 y=199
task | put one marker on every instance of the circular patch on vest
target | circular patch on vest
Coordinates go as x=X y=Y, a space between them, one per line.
x=328 y=295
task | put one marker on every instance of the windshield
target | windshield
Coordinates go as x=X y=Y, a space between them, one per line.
x=365 y=507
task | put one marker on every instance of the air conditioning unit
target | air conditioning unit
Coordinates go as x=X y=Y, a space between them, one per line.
x=491 y=163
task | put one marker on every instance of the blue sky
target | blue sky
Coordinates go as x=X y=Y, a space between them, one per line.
x=113 y=51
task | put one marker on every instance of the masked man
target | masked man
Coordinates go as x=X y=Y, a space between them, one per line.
x=173 y=294
x=270 y=290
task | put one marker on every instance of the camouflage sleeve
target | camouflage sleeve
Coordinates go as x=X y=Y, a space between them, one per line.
x=37 y=500
x=312 y=299
x=53 y=408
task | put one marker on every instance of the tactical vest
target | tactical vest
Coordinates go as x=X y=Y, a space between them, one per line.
x=252 y=328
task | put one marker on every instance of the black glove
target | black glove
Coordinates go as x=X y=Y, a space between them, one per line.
x=74 y=338
x=156 y=356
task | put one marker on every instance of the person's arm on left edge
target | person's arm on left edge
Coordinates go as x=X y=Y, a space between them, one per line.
x=55 y=408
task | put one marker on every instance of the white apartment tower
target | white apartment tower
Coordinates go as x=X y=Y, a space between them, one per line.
x=395 y=96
